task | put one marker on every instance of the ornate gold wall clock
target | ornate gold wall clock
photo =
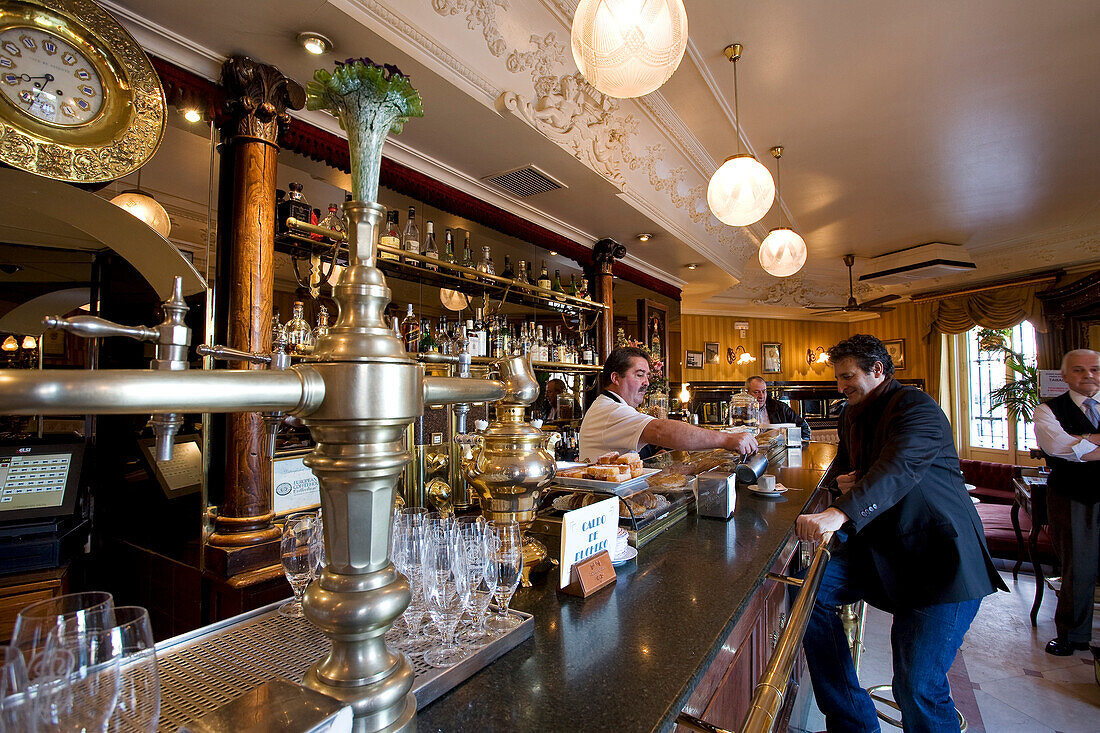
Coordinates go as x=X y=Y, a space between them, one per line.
x=79 y=100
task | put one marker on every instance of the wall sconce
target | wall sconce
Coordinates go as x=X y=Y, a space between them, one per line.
x=740 y=356
x=29 y=343
x=685 y=396
x=10 y=344
x=817 y=356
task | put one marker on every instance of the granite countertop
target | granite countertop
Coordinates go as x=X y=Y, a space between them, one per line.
x=628 y=657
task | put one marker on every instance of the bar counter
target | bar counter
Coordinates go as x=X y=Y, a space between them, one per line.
x=628 y=658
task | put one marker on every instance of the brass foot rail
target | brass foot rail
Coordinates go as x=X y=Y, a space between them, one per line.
x=767 y=699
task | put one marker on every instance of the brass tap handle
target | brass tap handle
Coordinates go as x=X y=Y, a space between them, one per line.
x=92 y=327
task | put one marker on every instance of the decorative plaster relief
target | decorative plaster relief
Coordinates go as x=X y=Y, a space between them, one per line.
x=791 y=291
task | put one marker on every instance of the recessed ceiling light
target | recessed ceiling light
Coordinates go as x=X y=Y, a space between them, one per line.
x=192 y=115
x=553 y=253
x=643 y=237
x=691 y=265
x=315 y=43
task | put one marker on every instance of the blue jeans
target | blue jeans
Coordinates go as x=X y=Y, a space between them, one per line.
x=924 y=640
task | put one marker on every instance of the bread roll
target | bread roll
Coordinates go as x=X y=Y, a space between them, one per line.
x=608 y=458
x=604 y=473
x=629 y=458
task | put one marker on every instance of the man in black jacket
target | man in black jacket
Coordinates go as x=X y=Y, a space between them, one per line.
x=775 y=411
x=1067 y=429
x=915 y=546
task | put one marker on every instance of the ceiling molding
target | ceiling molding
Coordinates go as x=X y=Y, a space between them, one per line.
x=665 y=119
x=167 y=44
x=779 y=313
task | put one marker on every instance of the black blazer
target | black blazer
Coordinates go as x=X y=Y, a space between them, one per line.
x=914 y=526
x=779 y=412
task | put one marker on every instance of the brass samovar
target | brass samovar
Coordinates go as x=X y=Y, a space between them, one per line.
x=357 y=394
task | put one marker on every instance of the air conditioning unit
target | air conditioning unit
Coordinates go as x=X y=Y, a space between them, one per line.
x=924 y=261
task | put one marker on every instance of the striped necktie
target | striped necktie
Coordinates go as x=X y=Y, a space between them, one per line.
x=1091 y=412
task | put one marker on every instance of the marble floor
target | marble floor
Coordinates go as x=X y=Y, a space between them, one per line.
x=1002 y=680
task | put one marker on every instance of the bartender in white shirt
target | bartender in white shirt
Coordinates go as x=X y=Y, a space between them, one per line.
x=613 y=422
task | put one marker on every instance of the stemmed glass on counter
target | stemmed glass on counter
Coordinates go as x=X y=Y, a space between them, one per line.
x=298 y=536
x=79 y=663
x=453 y=566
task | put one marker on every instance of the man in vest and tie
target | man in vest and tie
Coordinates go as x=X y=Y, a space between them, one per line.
x=1068 y=431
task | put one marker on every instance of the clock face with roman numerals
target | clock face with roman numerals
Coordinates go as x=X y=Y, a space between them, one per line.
x=48 y=78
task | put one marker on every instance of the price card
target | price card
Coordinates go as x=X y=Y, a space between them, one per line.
x=1051 y=384
x=586 y=531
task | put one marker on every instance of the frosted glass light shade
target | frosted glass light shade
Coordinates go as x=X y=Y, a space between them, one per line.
x=10 y=344
x=783 y=252
x=741 y=191
x=628 y=48
x=145 y=208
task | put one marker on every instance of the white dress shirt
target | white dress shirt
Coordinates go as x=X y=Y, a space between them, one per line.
x=762 y=416
x=1053 y=438
x=611 y=425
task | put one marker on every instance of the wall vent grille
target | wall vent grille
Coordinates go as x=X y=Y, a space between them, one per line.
x=526 y=181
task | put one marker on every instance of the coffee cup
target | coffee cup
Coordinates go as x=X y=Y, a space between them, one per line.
x=766 y=482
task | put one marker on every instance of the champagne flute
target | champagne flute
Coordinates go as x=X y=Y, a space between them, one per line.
x=482 y=575
x=317 y=560
x=446 y=591
x=294 y=549
x=507 y=552
x=138 y=707
x=406 y=554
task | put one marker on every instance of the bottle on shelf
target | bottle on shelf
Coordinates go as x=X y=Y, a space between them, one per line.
x=542 y=349
x=293 y=206
x=335 y=221
x=467 y=257
x=410 y=239
x=448 y=247
x=485 y=264
x=277 y=330
x=521 y=272
x=410 y=330
x=390 y=238
x=427 y=341
x=544 y=278
x=530 y=280
x=478 y=341
x=498 y=336
x=582 y=288
x=572 y=289
x=431 y=250
x=446 y=344
x=299 y=336
x=322 y=323
x=315 y=219
x=557 y=288
x=507 y=273
x=587 y=355
x=558 y=349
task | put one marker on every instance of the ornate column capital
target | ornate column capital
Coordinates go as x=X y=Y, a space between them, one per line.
x=257 y=97
x=605 y=252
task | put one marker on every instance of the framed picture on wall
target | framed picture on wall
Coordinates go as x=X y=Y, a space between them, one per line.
x=653 y=327
x=771 y=358
x=711 y=352
x=693 y=360
x=896 y=349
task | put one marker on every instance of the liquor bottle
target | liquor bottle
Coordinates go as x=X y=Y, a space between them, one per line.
x=430 y=248
x=558 y=353
x=427 y=341
x=390 y=237
x=334 y=221
x=498 y=339
x=587 y=355
x=558 y=289
x=446 y=345
x=299 y=336
x=293 y=206
x=507 y=273
x=322 y=322
x=541 y=350
x=530 y=279
x=485 y=264
x=478 y=341
x=572 y=289
x=410 y=330
x=448 y=247
x=582 y=288
x=410 y=240
x=278 y=333
x=544 y=278
x=467 y=257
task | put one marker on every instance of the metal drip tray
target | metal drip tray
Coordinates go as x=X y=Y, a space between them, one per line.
x=206 y=668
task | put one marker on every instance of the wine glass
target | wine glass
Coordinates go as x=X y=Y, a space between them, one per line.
x=16 y=710
x=67 y=613
x=406 y=554
x=138 y=707
x=446 y=591
x=507 y=551
x=76 y=680
x=317 y=548
x=481 y=571
x=294 y=549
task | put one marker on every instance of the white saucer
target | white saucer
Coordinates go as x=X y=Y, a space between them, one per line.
x=630 y=554
x=755 y=488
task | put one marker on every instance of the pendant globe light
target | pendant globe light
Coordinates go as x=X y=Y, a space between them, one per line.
x=741 y=191
x=783 y=251
x=144 y=207
x=628 y=48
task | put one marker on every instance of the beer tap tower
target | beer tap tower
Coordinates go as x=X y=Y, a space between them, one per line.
x=357 y=394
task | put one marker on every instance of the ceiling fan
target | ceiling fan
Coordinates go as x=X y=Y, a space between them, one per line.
x=853 y=306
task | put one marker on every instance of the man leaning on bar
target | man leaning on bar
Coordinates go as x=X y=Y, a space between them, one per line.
x=911 y=544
